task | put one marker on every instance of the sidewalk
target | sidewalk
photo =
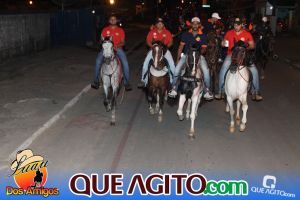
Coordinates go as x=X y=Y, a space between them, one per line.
x=36 y=87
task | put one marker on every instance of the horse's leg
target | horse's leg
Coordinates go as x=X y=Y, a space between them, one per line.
x=193 y=116
x=230 y=104
x=166 y=95
x=198 y=103
x=182 y=99
x=244 y=108
x=262 y=69
x=113 y=111
x=216 y=83
x=237 y=117
x=161 y=103
x=188 y=109
x=227 y=109
x=150 y=101
x=157 y=101
x=106 y=99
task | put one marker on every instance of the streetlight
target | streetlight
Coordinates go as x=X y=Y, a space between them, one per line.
x=30 y=2
x=111 y=2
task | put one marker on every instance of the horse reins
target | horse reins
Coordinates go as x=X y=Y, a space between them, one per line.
x=240 y=64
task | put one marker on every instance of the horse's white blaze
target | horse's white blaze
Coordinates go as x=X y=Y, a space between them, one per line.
x=236 y=88
x=156 y=56
x=194 y=66
x=107 y=49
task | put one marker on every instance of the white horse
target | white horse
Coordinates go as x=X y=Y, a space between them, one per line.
x=111 y=74
x=236 y=87
x=191 y=88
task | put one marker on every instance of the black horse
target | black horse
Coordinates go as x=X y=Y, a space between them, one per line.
x=264 y=49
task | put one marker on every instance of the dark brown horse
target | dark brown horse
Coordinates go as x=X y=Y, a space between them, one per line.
x=264 y=49
x=213 y=53
x=158 y=83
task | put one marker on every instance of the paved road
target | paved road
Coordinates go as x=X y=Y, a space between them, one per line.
x=83 y=140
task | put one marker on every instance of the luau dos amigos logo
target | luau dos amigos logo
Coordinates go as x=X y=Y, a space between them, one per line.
x=30 y=174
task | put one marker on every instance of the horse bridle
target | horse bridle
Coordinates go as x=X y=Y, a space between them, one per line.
x=240 y=64
x=194 y=70
x=111 y=59
x=161 y=57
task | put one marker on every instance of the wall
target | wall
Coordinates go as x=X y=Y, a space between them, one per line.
x=23 y=34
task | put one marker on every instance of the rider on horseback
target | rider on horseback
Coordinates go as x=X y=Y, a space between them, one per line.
x=158 y=34
x=193 y=37
x=118 y=38
x=263 y=28
x=232 y=36
x=213 y=23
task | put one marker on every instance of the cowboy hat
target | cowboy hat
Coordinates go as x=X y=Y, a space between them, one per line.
x=216 y=15
x=25 y=157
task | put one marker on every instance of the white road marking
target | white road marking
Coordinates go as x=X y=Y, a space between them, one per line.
x=49 y=123
x=54 y=119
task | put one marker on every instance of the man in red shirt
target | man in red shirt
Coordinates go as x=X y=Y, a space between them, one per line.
x=161 y=34
x=118 y=38
x=235 y=35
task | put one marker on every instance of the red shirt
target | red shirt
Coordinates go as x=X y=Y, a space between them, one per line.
x=232 y=37
x=164 y=36
x=117 y=34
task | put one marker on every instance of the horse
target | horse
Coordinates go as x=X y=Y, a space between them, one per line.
x=264 y=49
x=236 y=87
x=191 y=88
x=159 y=80
x=112 y=76
x=213 y=54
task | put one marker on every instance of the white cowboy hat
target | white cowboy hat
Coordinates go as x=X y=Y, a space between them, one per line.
x=25 y=157
x=216 y=15
x=264 y=19
x=195 y=19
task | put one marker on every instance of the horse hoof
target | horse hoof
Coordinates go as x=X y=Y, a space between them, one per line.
x=192 y=136
x=227 y=109
x=231 y=129
x=187 y=116
x=242 y=127
x=238 y=121
x=112 y=123
x=151 y=111
x=180 y=117
x=160 y=119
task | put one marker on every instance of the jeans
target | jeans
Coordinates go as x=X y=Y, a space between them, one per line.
x=122 y=56
x=204 y=68
x=224 y=69
x=168 y=57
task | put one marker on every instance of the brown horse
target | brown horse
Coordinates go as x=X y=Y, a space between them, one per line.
x=159 y=80
x=213 y=53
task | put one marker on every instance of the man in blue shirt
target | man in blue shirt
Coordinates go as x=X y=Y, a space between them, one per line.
x=191 y=38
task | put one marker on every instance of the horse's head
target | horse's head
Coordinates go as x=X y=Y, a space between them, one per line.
x=213 y=47
x=158 y=52
x=192 y=59
x=239 y=54
x=108 y=49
